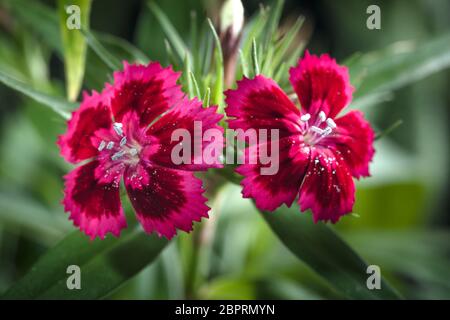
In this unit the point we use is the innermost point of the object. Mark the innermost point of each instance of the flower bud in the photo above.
(231, 24)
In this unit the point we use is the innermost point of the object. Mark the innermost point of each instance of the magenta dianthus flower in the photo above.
(125, 131)
(319, 152)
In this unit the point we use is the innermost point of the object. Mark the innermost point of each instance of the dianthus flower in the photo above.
(319, 152)
(125, 131)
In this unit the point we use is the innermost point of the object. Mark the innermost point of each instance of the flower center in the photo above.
(321, 128)
(125, 150)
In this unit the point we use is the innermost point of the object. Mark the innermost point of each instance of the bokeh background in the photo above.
(402, 213)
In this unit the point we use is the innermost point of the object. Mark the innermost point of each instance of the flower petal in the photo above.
(165, 199)
(194, 120)
(149, 90)
(94, 206)
(354, 142)
(321, 85)
(328, 188)
(93, 114)
(271, 191)
(260, 103)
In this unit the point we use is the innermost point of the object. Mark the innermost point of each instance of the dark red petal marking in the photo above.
(321, 85)
(260, 103)
(328, 188)
(184, 116)
(354, 142)
(165, 199)
(94, 207)
(148, 90)
(93, 114)
(271, 191)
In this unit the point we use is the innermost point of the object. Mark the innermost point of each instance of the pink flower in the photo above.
(125, 131)
(319, 153)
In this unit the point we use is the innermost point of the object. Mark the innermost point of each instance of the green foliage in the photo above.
(74, 46)
(105, 265)
(325, 252)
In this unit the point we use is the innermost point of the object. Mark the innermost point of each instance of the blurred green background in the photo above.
(402, 212)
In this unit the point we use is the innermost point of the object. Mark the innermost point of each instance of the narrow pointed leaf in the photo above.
(74, 45)
(169, 30)
(104, 264)
(399, 65)
(255, 58)
(59, 105)
(217, 94)
(112, 62)
(326, 253)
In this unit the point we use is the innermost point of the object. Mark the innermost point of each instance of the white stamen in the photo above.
(322, 116)
(331, 123)
(327, 131)
(117, 155)
(305, 117)
(123, 141)
(117, 126)
(110, 145)
(317, 130)
(102, 145)
(133, 151)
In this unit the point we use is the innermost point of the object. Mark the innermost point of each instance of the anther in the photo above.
(322, 116)
(102, 145)
(117, 155)
(305, 117)
(123, 141)
(110, 145)
(117, 126)
(317, 130)
(331, 123)
(327, 131)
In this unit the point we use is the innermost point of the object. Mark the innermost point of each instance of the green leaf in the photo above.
(399, 65)
(326, 253)
(244, 64)
(39, 18)
(74, 45)
(105, 265)
(207, 96)
(21, 213)
(125, 50)
(389, 129)
(255, 58)
(59, 105)
(112, 62)
(169, 30)
(274, 19)
(217, 94)
(254, 29)
(187, 80)
(195, 84)
(286, 42)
